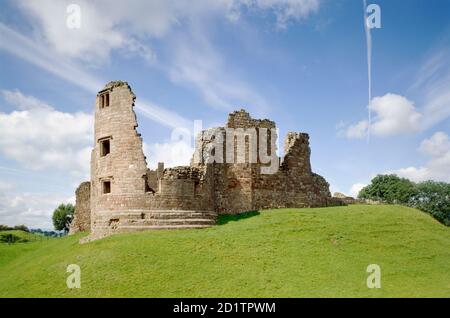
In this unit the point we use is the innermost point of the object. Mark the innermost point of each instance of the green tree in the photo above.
(62, 216)
(389, 189)
(434, 198)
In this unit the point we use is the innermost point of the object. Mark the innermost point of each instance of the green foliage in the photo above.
(21, 228)
(321, 252)
(429, 196)
(434, 198)
(389, 189)
(62, 216)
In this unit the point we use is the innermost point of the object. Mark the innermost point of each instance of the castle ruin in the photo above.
(224, 176)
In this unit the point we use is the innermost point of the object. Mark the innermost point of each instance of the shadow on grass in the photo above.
(224, 219)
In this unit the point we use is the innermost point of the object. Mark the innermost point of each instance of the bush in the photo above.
(389, 189)
(62, 217)
(434, 198)
(429, 196)
(21, 228)
(11, 238)
(5, 227)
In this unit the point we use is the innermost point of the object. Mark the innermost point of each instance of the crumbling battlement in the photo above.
(233, 169)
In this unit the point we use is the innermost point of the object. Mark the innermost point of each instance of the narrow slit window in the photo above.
(102, 101)
(106, 100)
(106, 187)
(105, 146)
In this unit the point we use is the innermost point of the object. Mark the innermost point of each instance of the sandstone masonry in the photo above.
(127, 196)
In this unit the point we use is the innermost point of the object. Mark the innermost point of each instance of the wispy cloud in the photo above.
(437, 148)
(197, 64)
(396, 114)
(36, 54)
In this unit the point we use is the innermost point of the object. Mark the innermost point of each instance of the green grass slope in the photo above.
(20, 236)
(279, 253)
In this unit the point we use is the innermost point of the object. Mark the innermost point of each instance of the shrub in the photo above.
(21, 228)
(11, 238)
(5, 227)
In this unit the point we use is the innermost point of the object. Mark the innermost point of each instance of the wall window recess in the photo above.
(105, 146)
(106, 186)
(104, 100)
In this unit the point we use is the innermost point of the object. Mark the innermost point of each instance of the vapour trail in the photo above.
(369, 66)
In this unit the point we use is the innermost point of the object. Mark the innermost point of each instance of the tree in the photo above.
(434, 198)
(62, 216)
(389, 189)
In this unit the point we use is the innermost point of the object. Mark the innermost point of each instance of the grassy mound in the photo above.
(279, 253)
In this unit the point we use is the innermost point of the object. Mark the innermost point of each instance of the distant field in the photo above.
(278, 253)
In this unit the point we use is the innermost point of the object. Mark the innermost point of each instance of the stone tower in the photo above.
(118, 166)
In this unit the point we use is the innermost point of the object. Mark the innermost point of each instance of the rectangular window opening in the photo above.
(106, 187)
(104, 100)
(105, 147)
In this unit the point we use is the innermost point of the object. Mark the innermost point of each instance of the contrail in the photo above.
(369, 65)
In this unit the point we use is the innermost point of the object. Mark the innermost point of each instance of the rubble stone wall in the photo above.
(82, 218)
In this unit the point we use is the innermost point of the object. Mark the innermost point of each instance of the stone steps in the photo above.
(161, 221)
(137, 220)
(163, 227)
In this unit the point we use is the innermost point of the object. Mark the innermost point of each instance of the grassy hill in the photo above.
(17, 236)
(280, 253)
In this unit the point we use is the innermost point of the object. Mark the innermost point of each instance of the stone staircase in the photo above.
(156, 220)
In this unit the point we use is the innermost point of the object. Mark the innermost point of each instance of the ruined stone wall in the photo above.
(242, 187)
(226, 174)
(82, 217)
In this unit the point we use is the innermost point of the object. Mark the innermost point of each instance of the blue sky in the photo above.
(301, 63)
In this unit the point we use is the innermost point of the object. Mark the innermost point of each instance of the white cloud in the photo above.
(394, 114)
(4, 186)
(172, 153)
(438, 166)
(354, 190)
(436, 146)
(286, 10)
(40, 137)
(358, 130)
(32, 209)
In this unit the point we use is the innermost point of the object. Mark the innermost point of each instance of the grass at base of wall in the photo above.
(321, 252)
